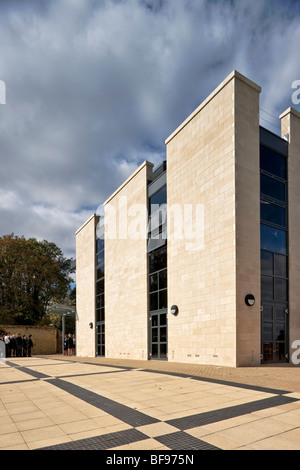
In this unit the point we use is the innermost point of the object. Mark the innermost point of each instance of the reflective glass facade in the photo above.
(274, 252)
(100, 294)
(157, 270)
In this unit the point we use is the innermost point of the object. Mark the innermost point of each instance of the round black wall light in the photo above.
(91, 325)
(250, 300)
(174, 310)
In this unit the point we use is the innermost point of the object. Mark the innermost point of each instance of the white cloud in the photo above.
(94, 87)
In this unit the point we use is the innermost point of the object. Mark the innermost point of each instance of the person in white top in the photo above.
(7, 344)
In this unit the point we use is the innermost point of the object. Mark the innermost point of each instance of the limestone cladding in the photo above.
(85, 288)
(247, 200)
(126, 279)
(203, 156)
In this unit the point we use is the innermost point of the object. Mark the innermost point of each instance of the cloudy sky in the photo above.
(94, 87)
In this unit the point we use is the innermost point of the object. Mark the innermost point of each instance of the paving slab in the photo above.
(74, 403)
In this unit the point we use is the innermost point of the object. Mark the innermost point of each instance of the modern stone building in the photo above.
(198, 260)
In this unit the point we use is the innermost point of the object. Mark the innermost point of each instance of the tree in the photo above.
(32, 273)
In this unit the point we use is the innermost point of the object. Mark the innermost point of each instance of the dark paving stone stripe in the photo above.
(97, 364)
(255, 388)
(93, 373)
(174, 441)
(124, 413)
(18, 381)
(107, 441)
(40, 375)
(28, 371)
(182, 441)
(201, 419)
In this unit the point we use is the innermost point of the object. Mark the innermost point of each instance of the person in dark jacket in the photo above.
(19, 343)
(13, 347)
(24, 346)
(29, 346)
(70, 345)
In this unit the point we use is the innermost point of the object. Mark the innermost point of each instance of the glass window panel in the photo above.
(100, 272)
(163, 334)
(267, 262)
(154, 320)
(272, 162)
(267, 288)
(268, 331)
(156, 220)
(280, 268)
(280, 351)
(154, 301)
(272, 188)
(153, 284)
(155, 351)
(273, 239)
(100, 287)
(158, 199)
(268, 351)
(154, 335)
(163, 319)
(279, 313)
(272, 213)
(158, 260)
(152, 262)
(156, 242)
(99, 244)
(100, 258)
(100, 314)
(163, 299)
(280, 332)
(97, 315)
(163, 351)
(268, 313)
(281, 291)
(163, 279)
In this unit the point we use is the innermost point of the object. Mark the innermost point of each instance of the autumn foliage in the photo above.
(32, 273)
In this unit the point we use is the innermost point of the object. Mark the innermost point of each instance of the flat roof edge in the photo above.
(85, 223)
(231, 76)
(145, 163)
(290, 111)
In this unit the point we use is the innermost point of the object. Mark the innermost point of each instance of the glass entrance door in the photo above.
(100, 339)
(274, 332)
(158, 335)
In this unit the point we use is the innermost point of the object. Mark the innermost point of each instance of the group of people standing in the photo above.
(69, 345)
(17, 345)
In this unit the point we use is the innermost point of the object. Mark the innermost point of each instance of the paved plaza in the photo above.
(71, 403)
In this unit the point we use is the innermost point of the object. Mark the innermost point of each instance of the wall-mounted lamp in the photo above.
(174, 310)
(250, 300)
(91, 325)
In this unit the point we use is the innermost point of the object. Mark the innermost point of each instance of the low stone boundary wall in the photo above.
(46, 339)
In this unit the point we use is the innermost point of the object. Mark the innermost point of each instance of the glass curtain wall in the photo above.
(274, 255)
(157, 270)
(100, 295)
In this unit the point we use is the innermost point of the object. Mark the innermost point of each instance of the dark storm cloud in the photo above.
(95, 87)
